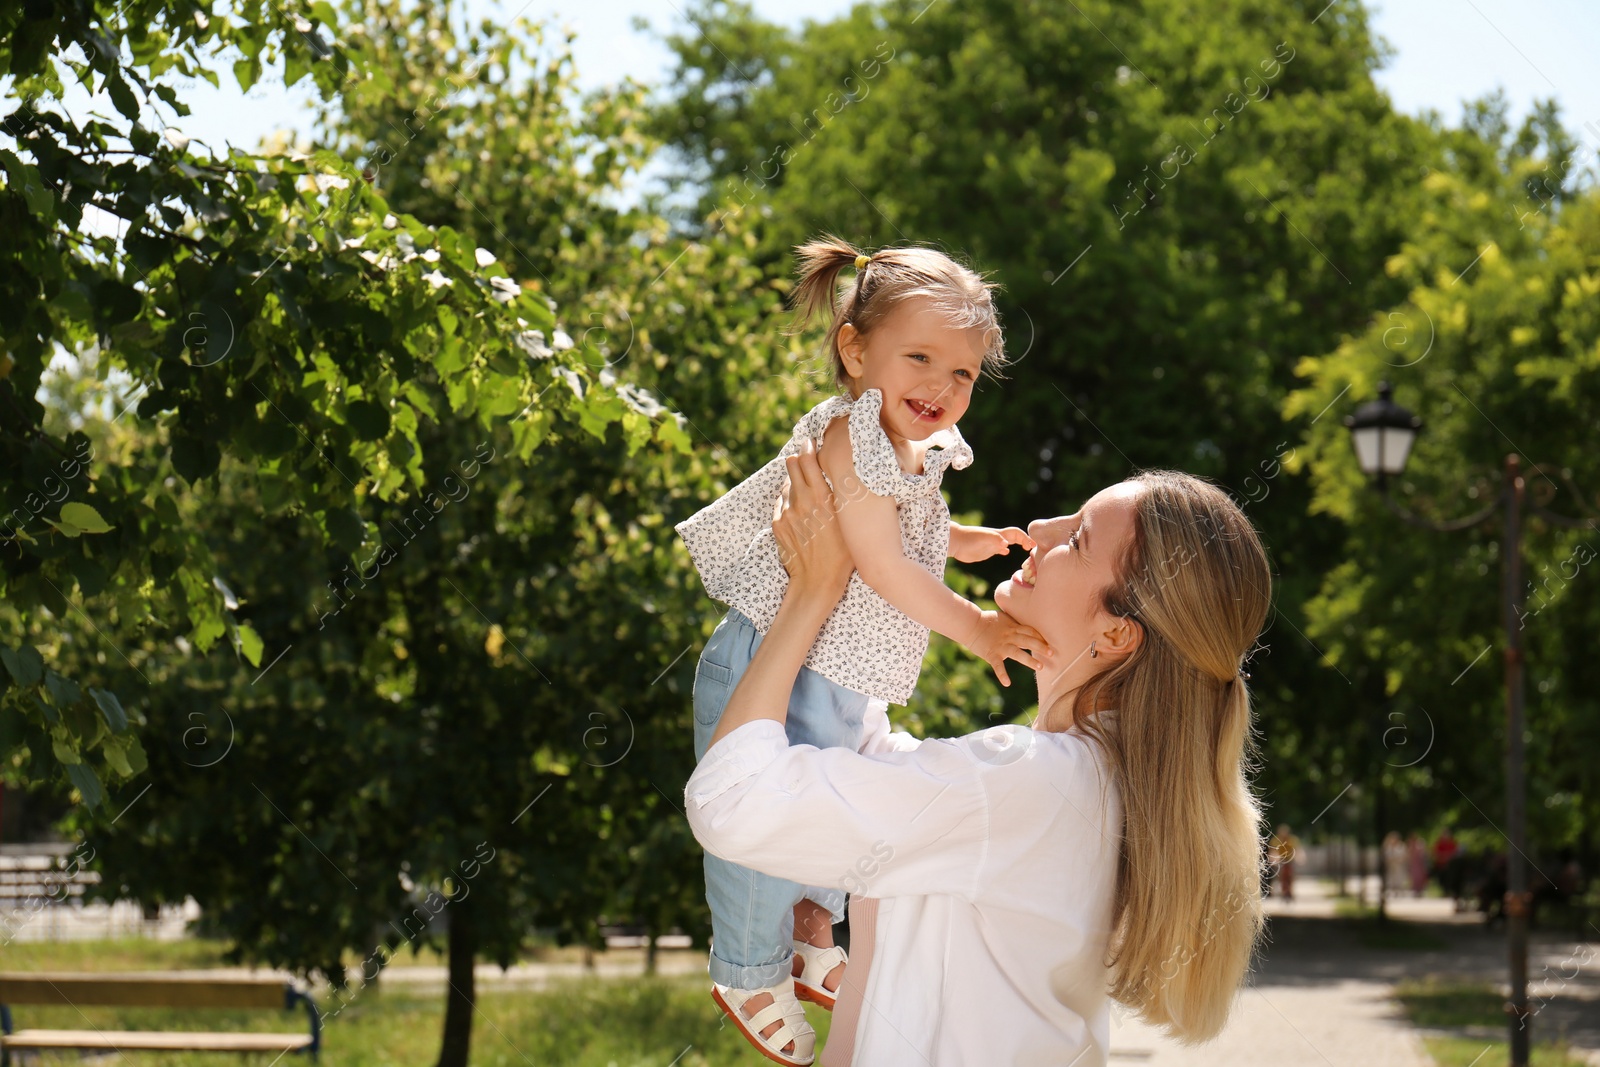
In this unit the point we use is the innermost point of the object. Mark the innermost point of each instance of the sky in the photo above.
(1447, 51)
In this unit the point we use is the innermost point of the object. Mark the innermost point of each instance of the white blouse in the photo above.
(994, 859)
(867, 644)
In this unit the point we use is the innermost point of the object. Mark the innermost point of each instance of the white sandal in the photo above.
(784, 1006)
(818, 963)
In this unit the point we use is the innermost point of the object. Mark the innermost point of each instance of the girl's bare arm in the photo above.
(871, 528)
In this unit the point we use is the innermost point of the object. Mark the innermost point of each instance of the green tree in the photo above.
(505, 674)
(1179, 210)
(1495, 346)
(263, 307)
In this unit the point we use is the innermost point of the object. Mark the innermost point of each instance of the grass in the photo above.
(1439, 1004)
(583, 1022)
(1391, 933)
(147, 954)
(587, 1022)
(1352, 908)
(120, 954)
(1472, 1052)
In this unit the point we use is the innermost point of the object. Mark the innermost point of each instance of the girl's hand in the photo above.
(999, 637)
(810, 543)
(972, 544)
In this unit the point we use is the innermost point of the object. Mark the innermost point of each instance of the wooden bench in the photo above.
(25, 880)
(161, 989)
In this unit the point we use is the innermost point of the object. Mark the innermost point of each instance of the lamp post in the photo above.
(1383, 433)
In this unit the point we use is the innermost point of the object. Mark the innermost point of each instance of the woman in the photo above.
(1395, 871)
(1417, 863)
(1283, 851)
(1015, 878)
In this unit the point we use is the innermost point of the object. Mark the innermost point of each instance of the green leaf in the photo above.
(25, 177)
(117, 757)
(116, 301)
(636, 430)
(62, 690)
(84, 517)
(420, 400)
(247, 72)
(193, 457)
(170, 95)
(166, 510)
(64, 752)
(65, 527)
(51, 715)
(206, 632)
(25, 665)
(87, 784)
(500, 396)
(250, 644)
(368, 419)
(133, 751)
(80, 718)
(92, 577)
(111, 708)
(295, 67)
(345, 528)
(122, 96)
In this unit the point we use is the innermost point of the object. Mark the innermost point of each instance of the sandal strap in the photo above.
(769, 1015)
(818, 962)
(786, 1007)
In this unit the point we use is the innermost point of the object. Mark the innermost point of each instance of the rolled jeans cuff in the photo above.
(757, 976)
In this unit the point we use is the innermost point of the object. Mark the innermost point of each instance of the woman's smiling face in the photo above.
(1058, 589)
(924, 367)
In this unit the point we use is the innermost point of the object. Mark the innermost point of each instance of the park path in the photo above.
(1319, 998)
(1348, 1023)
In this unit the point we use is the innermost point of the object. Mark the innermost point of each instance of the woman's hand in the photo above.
(810, 544)
(812, 550)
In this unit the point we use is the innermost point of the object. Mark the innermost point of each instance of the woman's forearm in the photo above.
(763, 690)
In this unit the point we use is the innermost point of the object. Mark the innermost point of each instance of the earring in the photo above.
(1092, 653)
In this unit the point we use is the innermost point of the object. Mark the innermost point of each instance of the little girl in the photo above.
(908, 339)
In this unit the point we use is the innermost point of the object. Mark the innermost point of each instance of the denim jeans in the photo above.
(752, 914)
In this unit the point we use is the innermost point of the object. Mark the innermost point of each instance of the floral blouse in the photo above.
(867, 645)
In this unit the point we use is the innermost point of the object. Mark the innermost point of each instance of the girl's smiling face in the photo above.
(924, 367)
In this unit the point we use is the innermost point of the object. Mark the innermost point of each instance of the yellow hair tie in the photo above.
(862, 261)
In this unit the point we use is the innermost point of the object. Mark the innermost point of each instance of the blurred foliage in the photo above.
(1185, 209)
(267, 308)
(332, 378)
(1497, 347)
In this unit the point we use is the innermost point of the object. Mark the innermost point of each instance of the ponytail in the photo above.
(1188, 908)
(817, 292)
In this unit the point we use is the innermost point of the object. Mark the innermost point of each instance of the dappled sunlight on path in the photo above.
(1322, 994)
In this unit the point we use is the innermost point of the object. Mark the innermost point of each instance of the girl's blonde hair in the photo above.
(884, 279)
(1188, 904)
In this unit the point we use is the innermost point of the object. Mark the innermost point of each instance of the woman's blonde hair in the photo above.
(883, 279)
(1188, 906)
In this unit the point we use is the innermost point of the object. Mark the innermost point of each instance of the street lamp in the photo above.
(1382, 433)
